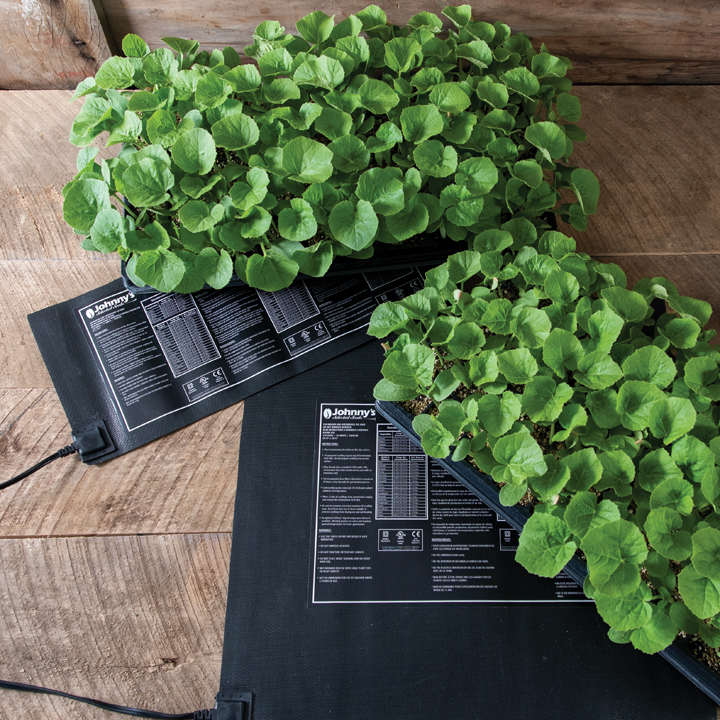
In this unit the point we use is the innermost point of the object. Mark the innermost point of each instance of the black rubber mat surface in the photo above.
(399, 661)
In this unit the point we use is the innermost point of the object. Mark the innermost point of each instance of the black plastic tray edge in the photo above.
(678, 655)
(420, 256)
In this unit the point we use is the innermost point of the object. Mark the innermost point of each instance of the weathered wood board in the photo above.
(134, 621)
(656, 156)
(50, 43)
(37, 161)
(624, 41)
(183, 483)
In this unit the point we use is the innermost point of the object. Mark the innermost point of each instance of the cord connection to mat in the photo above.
(91, 442)
(121, 709)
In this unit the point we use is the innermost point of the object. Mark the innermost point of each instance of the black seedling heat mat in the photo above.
(149, 364)
(365, 585)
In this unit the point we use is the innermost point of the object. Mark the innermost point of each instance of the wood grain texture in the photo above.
(655, 152)
(38, 160)
(50, 43)
(132, 620)
(182, 483)
(696, 276)
(615, 42)
(30, 285)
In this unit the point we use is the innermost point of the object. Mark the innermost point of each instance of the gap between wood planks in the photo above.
(114, 535)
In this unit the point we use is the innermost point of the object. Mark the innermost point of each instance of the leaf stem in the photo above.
(120, 200)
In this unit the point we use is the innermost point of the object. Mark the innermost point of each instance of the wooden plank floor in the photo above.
(113, 578)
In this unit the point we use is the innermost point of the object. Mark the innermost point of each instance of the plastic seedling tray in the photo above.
(430, 250)
(482, 485)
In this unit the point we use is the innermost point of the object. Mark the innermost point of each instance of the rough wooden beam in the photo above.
(50, 43)
(618, 41)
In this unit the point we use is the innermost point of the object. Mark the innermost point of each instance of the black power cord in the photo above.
(91, 442)
(62, 452)
(135, 712)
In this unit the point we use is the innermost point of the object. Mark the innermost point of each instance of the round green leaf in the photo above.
(307, 161)
(160, 67)
(382, 189)
(561, 287)
(585, 469)
(194, 152)
(518, 365)
(271, 272)
(323, 72)
(656, 467)
(547, 136)
(706, 552)
(497, 413)
(618, 472)
(421, 122)
(354, 226)
(671, 418)
(529, 172)
(586, 188)
(634, 403)
(533, 327)
(115, 72)
(598, 371)
(435, 159)
(656, 635)
(411, 220)
(650, 364)
(277, 61)
(197, 216)
(562, 351)
(681, 332)
(701, 374)
(400, 53)
(614, 553)
(449, 98)
(212, 91)
(602, 405)
(147, 181)
(478, 175)
(386, 319)
(235, 132)
(545, 545)
(568, 107)
(467, 340)
(297, 222)
(349, 154)
(583, 513)
(700, 594)
(378, 97)
(161, 269)
(675, 493)
(214, 267)
(83, 201)
(522, 81)
(315, 27)
(662, 527)
(463, 265)
(134, 46)
(520, 455)
(108, 231)
(410, 367)
(629, 305)
(624, 613)
(543, 400)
